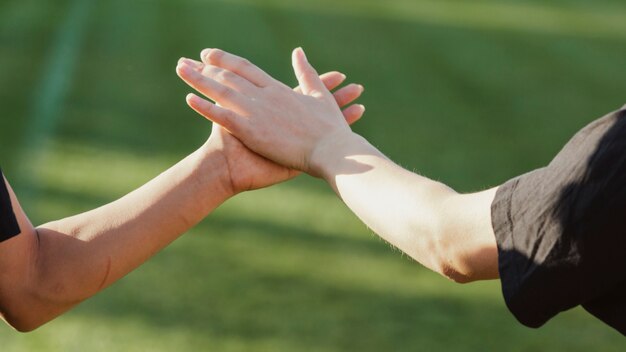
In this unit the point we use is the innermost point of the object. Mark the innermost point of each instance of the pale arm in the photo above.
(446, 231)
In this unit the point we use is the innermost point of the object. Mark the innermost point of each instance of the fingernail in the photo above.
(184, 67)
(205, 52)
(343, 76)
(361, 88)
(303, 54)
(182, 62)
(188, 62)
(191, 97)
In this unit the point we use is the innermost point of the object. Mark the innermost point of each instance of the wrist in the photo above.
(212, 170)
(334, 151)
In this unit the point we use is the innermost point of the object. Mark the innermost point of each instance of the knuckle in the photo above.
(242, 65)
(276, 90)
(228, 115)
(309, 70)
(215, 55)
(316, 92)
(221, 76)
(228, 76)
(210, 70)
(225, 92)
(270, 90)
(230, 119)
(209, 109)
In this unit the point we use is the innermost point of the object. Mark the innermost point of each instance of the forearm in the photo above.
(80, 255)
(425, 219)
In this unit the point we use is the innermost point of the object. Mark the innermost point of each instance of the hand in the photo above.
(266, 115)
(248, 170)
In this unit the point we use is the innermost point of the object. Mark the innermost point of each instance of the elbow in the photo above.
(24, 327)
(454, 273)
(29, 306)
(443, 254)
(21, 320)
(453, 262)
(22, 310)
(464, 265)
(463, 247)
(27, 312)
(446, 259)
(31, 293)
(464, 261)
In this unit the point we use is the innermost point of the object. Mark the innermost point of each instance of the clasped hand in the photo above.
(273, 121)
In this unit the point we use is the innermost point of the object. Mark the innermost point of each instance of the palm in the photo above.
(247, 169)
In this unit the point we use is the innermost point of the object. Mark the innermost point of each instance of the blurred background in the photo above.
(471, 93)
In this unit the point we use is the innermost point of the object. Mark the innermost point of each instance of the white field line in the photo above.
(50, 94)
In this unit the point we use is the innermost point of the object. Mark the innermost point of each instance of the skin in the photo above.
(47, 270)
(448, 232)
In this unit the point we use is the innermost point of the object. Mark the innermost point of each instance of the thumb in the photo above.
(308, 78)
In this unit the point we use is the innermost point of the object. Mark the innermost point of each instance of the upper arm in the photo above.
(17, 263)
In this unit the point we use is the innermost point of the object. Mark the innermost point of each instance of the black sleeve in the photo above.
(8, 223)
(561, 230)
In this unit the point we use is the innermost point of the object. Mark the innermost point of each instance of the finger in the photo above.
(213, 90)
(331, 80)
(220, 75)
(348, 94)
(238, 65)
(229, 79)
(353, 113)
(196, 65)
(224, 117)
(307, 77)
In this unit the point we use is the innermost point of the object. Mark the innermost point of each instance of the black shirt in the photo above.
(8, 223)
(561, 230)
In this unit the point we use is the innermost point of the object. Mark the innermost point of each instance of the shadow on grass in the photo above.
(251, 281)
(210, 289)
(265, 281)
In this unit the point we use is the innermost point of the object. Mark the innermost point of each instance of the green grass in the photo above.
(470, 93)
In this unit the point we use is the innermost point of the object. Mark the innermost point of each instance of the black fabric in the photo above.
(561, 230)
(8, 223)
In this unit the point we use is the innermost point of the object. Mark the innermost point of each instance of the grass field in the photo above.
(470, 93)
